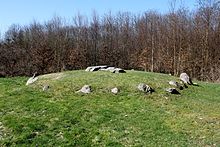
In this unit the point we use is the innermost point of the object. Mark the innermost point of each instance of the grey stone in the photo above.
(111, 69)
(145, 88)
(95, 68)
(85, 89)
(176, 84)
(186, 79)
(88, 68)
(92, 68)
(118, 70)
(105, 68)
(32, 79)
(115, 90)
(46, 87)
(172, 91)
(173, 83)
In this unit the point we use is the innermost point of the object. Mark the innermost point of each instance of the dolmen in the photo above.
(105, 68)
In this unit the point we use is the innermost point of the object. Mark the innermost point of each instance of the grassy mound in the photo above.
(30, 116)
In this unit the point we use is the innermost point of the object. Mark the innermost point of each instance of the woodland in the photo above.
(180, 40)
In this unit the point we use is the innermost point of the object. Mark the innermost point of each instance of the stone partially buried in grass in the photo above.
(115, 90)
(172, 91)
(176, 84)
(46, 87)
(85, 89)
(145, 88)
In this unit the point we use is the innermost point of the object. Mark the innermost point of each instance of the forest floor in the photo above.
(30, 116)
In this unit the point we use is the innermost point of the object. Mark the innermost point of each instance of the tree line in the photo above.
(175, 42)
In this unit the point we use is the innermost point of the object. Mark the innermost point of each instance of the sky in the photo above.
(23, 12)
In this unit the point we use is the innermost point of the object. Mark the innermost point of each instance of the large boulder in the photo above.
(145, 88)
(186, 79)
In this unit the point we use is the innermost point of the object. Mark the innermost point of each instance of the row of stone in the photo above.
(147, 89)
(87, 89)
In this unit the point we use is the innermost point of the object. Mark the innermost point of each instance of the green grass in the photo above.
(30, 116)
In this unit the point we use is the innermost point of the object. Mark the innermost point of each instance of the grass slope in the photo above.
(61, 117)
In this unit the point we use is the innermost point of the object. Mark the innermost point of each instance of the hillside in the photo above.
(30, 116)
